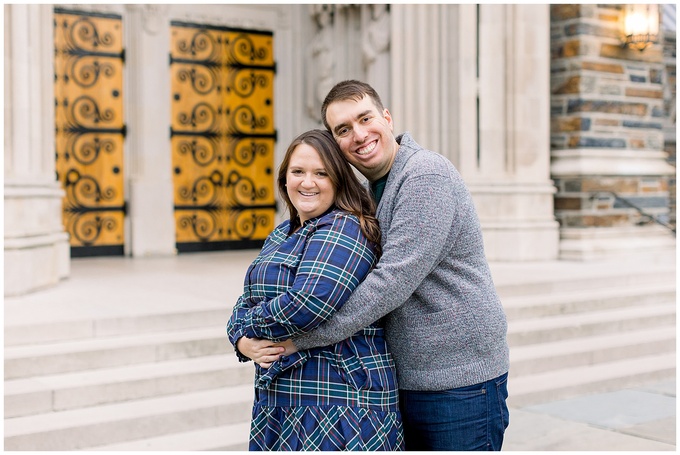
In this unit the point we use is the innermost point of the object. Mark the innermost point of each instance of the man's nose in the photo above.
(360, 133)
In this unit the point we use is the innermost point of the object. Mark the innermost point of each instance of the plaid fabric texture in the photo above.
(325, 428)
(342, 396)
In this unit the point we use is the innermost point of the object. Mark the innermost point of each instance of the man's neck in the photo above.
(384, 172)
(372, 180)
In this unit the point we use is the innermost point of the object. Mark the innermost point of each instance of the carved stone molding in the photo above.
(153, 18)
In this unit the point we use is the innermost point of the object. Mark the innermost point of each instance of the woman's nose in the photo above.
(307, 181)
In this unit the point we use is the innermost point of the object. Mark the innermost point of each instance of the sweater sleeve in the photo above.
(420, 226)
(335, 260)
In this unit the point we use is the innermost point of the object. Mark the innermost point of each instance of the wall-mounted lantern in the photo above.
(640, 26)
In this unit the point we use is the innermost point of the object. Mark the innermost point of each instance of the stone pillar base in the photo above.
(37, 250)
(517, 221)
(586, 244)
(504, 242)
(32, 263)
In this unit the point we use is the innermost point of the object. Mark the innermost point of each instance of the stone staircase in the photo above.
(170, 381)
(587, 335)
(161, 382)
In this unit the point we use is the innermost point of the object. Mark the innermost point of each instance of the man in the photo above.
(444, 322)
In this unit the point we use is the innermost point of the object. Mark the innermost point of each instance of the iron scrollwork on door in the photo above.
(88, 81)
(222, 136)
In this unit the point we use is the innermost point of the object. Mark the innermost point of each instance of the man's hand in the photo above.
(263, 352)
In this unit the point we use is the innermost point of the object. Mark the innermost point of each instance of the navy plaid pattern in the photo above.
(326, 429)
(345, 395)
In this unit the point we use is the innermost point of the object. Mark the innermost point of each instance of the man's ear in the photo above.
(387, 116)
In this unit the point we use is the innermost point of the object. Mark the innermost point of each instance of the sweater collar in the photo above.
(407, 147)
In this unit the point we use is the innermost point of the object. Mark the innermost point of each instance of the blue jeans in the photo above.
(466, 418)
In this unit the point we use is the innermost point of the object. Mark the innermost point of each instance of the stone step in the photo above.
(570, 382)
(598, 279)
(562, 327)
(61, 392)
(74, 329)
(135, 420)
(154, 382)
(226, 438)
(544, 357)
(577, 301)
(70, 356)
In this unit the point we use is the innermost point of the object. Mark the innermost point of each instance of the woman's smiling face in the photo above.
(307, 183)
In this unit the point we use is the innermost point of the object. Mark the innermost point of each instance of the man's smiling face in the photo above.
(364, 135)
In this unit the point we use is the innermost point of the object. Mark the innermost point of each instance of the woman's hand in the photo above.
(262, 352)
(289, 347)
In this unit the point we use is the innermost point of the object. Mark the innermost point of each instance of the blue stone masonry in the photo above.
(650, 202)
(594, 142)
(632, 124)
(604, 96)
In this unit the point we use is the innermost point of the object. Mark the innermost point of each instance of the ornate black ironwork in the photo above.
(201, 114)
(201, 55)
(85, 48)
(202, 149)
(244, 121)
(203, 80)
(245, 223)
(245, 150)
(86, 151)
(204, 225)
(223, 139)
(86, 57)
(85, 217)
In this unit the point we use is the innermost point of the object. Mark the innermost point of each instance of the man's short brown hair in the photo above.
(349, 90)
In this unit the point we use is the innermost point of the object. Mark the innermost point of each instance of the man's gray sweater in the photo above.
(445, 324)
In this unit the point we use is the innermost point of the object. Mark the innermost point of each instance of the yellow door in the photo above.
(90, 131)
(223, 136)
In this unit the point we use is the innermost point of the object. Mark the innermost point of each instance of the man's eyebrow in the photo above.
(338, 127)
(365, 113)
(360, 115)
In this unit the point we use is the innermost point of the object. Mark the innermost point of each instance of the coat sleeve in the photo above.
(238, 313)
(421, 224)
(335, 260)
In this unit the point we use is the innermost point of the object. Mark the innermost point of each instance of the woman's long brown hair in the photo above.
(350, 195)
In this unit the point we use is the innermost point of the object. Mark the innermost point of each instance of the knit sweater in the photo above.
(444, 322)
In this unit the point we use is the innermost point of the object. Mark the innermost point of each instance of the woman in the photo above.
(340, 397)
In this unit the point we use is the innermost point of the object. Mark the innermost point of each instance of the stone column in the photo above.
(375, 47)
(152, 222)
(321, 67)
(607, 111)
(472, 82)
(36, 245)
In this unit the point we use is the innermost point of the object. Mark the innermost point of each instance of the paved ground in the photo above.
(637, 419)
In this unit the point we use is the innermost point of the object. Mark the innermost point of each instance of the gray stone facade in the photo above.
(607, 134)
(536, 105)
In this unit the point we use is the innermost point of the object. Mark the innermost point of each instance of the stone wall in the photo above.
(603, 95)
(670, 100)
(607, 117)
